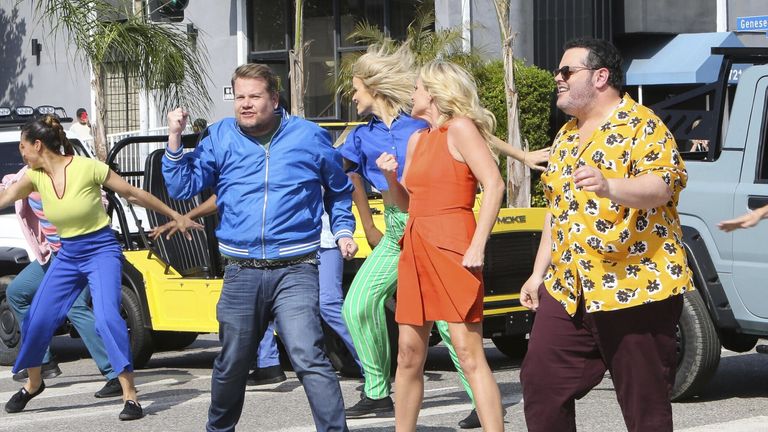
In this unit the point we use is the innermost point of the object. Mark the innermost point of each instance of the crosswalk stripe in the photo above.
(751, 424)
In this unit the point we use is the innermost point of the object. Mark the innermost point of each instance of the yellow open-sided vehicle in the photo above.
(171, 287)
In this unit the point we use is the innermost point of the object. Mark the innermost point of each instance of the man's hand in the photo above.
(348, 247)
(535, 159)
(177, 121)
(387, 163)
(529, 293)
(183, 225)
(591, 179)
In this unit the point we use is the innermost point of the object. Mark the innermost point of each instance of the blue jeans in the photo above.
(330, 268)
(20, 293)
(250, 298)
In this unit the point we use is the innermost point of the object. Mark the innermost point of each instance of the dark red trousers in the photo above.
(567, 356)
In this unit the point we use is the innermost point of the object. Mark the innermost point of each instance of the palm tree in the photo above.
(424, 41)
(165, 61)
(518, 175)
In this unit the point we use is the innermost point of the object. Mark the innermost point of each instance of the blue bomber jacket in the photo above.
(270, 200)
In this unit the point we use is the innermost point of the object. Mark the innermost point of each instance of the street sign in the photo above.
(228, 93)
(752, 23)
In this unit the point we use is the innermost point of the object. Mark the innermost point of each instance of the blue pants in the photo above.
(93, 259)
(250, 298)
(20, 293)
(331, 265)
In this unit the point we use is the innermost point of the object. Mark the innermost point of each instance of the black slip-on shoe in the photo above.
(111, 389)
(267, 375)
(472, 421)
(20, 399)
(47, 370)
(368, 406)
(131, 411)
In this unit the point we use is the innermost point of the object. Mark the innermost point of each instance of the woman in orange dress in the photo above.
(440, 268)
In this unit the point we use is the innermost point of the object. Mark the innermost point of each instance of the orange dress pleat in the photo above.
(432, 284)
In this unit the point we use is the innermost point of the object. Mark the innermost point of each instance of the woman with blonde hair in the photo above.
(382, 82)
(440, 267)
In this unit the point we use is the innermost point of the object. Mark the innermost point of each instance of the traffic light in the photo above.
(167, 10)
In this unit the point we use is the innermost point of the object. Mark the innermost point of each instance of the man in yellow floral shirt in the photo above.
(611, 265)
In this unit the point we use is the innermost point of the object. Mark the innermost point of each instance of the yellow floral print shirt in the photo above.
(615, 256)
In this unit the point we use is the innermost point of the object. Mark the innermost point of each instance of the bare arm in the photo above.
(205, 209)
(747, 220)
(529, 292)
(532, 160)
(466, 139)
(359, 197)
(177, 122)
(145, 199)
(15, 191)
(387, 163)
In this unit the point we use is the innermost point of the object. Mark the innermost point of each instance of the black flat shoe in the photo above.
(131, 411)
(20, 399)
(472, 421)
(111, 389)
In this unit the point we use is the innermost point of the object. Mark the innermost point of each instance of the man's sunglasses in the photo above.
(567, 71)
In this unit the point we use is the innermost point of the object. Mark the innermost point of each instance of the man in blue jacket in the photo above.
(273, 174)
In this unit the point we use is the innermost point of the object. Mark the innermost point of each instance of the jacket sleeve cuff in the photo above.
(174, 155)
(343, 233)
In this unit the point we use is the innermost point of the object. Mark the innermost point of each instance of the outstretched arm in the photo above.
(205, 209)
(533, 159)
(15, 191)
(747, 220)
(145, 199)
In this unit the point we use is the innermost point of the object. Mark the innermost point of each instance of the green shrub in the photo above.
(535, 87)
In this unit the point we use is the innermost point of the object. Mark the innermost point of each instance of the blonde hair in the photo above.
(454, 93)
(388, 76)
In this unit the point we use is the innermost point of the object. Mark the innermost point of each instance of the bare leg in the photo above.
(126, 382)
(409, 379)
(34, 381)
(468, 341)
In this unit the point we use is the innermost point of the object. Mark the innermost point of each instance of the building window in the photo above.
(121, 99)
(327, 24)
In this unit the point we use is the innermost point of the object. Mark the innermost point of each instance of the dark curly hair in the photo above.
(49, 131)
(602, 54)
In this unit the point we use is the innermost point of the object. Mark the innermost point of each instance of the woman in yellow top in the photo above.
(70, 188)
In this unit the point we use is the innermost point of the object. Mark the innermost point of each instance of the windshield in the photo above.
(10, 163)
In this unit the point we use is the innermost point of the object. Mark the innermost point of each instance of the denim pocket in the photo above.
(231, 271)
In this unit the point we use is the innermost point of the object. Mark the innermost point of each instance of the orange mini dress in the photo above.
(432, 285)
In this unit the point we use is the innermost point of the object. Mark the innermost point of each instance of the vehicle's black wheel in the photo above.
(172, 340)
(512, 346)
(10, 332)
(737, 342)
(698, 348)
(337, 352)
(141, 337)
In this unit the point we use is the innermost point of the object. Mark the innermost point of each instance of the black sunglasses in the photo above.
(567, 71)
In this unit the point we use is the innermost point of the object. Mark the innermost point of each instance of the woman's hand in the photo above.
(474, 258)
(535, 159)
(159, 230)
(388, 165)
(744, 221)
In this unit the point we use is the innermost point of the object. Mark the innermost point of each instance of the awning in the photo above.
(686, 59)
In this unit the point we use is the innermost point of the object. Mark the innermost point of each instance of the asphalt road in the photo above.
(174, 391)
